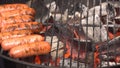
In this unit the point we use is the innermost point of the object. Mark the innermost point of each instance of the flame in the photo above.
(76, 34)
(111, 36)
(67, 54)
(96, 58)
(37, 60)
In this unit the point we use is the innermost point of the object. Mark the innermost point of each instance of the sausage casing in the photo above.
(7, 44)
(14, 34)
(11, 13)
(34, 26)
(26, 50)
(16, 19)
(7, 7)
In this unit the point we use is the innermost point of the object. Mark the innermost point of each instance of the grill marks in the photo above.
(22, 26)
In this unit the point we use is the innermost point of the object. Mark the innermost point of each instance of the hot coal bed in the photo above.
(82, 34)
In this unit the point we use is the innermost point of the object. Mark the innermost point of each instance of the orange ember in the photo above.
(67, 54)
(76, 34)
(111, 36)
(37, 60)
(96, 58)
(117, 59)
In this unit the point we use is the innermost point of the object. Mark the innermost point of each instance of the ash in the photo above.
(111, 64)
(73, 64)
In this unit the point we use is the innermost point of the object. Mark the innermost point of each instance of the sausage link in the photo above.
(7, 7)
(34, 26)
(14, 34)
(16, 19)
(7, 44)
(26, 50)
(11, 13)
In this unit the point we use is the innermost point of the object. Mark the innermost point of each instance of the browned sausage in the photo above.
(26, 50)
(14, 34)
(7, 44)
(11, 13)
(7, 7)
(16, 19)
(34, 26)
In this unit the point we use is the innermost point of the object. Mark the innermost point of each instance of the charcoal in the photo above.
(104, 64)
(92, 28)
(109, 50)
(55, 45)
(74, 63)
(102, 10)
(110, 44)
(96, 31)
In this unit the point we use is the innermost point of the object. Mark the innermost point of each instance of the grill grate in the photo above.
(81, 28)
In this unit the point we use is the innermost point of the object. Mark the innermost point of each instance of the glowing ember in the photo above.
(37, 60)
(96, 58)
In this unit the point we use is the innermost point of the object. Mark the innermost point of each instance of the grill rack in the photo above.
(35, 65)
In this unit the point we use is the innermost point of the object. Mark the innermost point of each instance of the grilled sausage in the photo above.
(14, 34)
(8, 7)
(16, 19)
(11, 13)
(34, 26)
(26, 50)
(12, 42)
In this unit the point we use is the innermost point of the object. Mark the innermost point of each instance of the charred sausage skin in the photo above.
(7, 44)
(25, 50)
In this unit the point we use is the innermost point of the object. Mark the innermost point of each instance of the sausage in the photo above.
(11, 13)
(26, 50)
(34, 26)
(14, 34)
(16, 19)
(7, 44)
(7, 7)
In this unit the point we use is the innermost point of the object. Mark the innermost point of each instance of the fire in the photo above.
(67, 54)
(37, 60)
(96, 58)
(111, 36)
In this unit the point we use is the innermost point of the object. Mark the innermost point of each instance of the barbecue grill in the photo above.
(82, 33)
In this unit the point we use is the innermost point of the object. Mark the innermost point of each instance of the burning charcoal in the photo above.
(112, 44)
(100, 33)
(103, 9)
(109, 50)
(54, 48)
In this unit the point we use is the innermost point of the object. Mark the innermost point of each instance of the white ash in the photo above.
(54, 46)
(103, 9)
(100, 34)
(105, 64)
(73, 65)
(52, 6)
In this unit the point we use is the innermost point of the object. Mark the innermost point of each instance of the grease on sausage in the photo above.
(16, 19)
(34, 26)
(11, 13)
(14, 34)
(7, 44)
(26, 50)
(7, 7)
